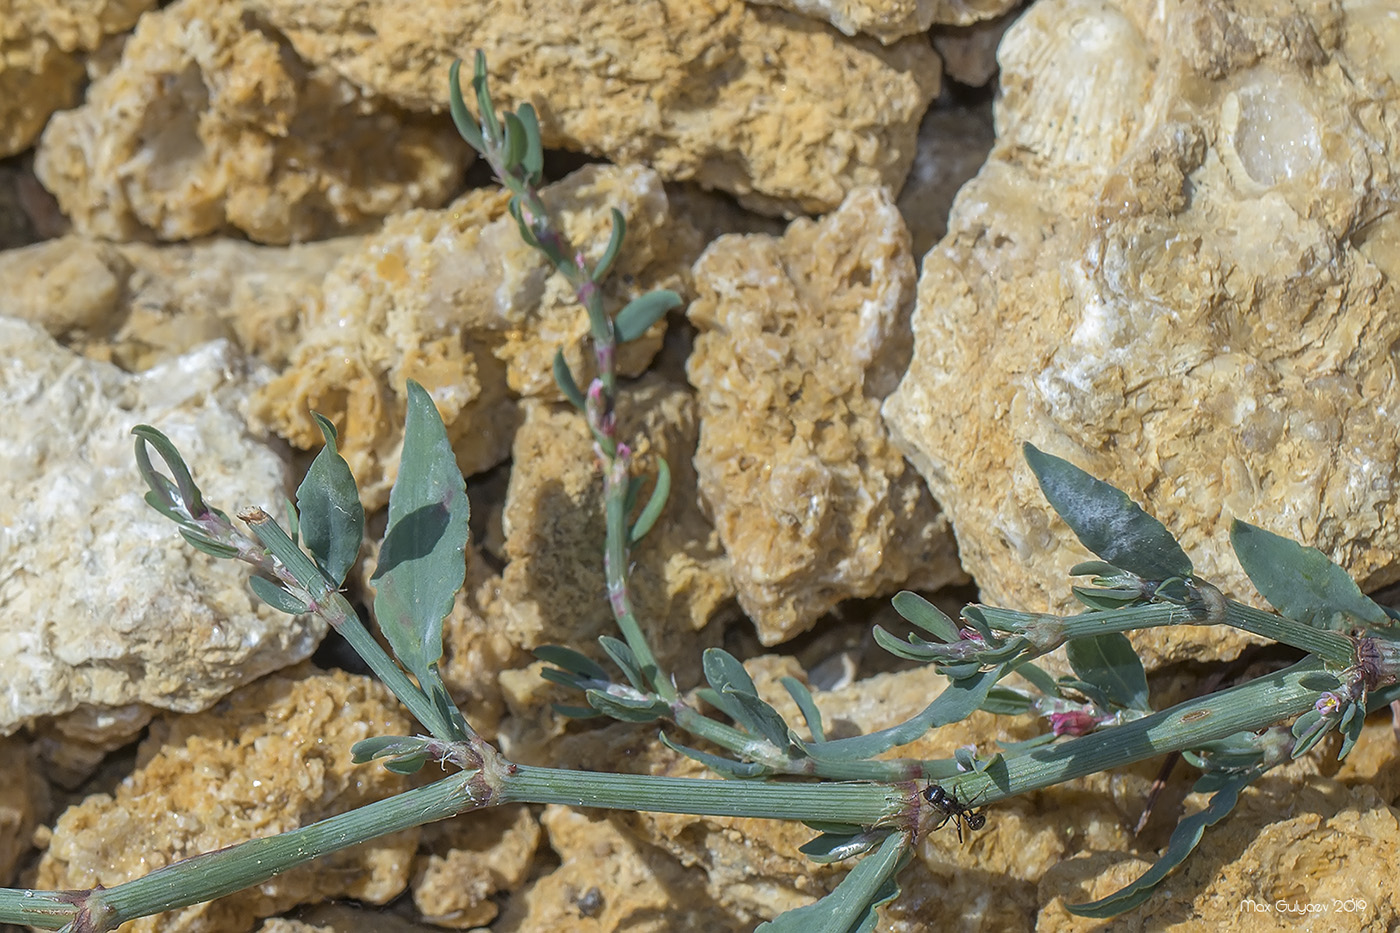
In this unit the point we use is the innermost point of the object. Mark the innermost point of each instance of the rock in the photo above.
(209, 123)
(273, 757)
(28, 213)
(891, 20)
(954, 140)
(23, 806)
(1177, 270)
(41, 69)
(454, 299)
(800, 339)
(608, 882)
(754, 101)
(969, 52)
(137, 304)
(471, 861)
(553, 590)
(103, 605)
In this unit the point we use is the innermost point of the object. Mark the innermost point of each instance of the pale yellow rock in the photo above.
(1177, 271)
(41, 69)
(891, 20)
(470, 861)
(754, 101)
(210, 123)
(137, 304)
(272, 757)
(454, 299)
(800, 339)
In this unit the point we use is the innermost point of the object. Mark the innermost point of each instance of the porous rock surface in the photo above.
(469, 862)
(891, 20)
(1177, 270)
(209, 123)
(755, 101)
(270, 758)
(137, 304)
(23, 805)
(455, 300)
(102, 605)
(41, 69)
(801, 337)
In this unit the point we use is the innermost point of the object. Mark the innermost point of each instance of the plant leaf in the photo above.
(1110, 663)
(659, 494)
(850, 908)
(466, 124)
(423, 561)
(1301, 582)
(605, 264)
(331, 519)
(925, 615)
(725, 766)
(1184, 840)
(627, 709)
(1106, 521)
(276, 597)
(642, 312)
(565, 380)
(803, 698)
(533, 160)
(572, 661)
(623, 657)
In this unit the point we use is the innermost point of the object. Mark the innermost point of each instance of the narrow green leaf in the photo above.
(490, 125)
(332, 520)
(725, 674)
(1106, 521)
(851, 907)
(958, 701)
(1037, 678)
(190, 498)
(723, 766)
(208, 545)
(1109, 662)
(382, 746)
(915, 649)
(659, 494)
(1003, 701)
(565, 380)
(1352, 723)
(919, 611)
(1183, 842)
(408, 764)
(528, 235)
(605, 264)
(466, 124)
(627, 709)
(761, 719)
(422, 564)
(570, 660)
(643, 311)
(533, 160)
(1020, 748)
(276, 597)
(837, 847)
(515, 142)
(1301, 582)
(623, 657)
(803, 698)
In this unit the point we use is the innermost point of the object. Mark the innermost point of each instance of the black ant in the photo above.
(952, 809)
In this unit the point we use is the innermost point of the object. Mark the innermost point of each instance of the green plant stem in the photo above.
(1255, 705)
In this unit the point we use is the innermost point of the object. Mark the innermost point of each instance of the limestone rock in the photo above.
(800, 339)
(969, 53)
(891, 20)
(102, 604)
(40, 66)
(754, 101)
(210, 123)
(137, 304)
(471, 861)
(23, 805)
(553, 590)
(273, 757)
(1177, 270)
(454, 299)
(954, 140)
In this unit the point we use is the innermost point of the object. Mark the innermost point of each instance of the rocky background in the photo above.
(1172, 259)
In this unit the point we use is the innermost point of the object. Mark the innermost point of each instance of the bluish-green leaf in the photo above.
(725, 673)
(1037, 678)
(659, 494)
(276, 597)
(723, 766)
(208, 545)
(832, 847)
(189, 497)
(1110, 662)
(623, 657)
(761, 719)
(958, 701)
(516, 142)
(851, 907)
(642, 312)
(1183, 842)
(628, 709)
(423, 561)
(605, 264)
(533, 160)
(1301, 582)
(1003, 701)
(570, 660)
(486, 108)
(1106, 521)
(803, 698)
(331, 519)
(466, 124)
(564, 378)
(915, 649)
(925, 615)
